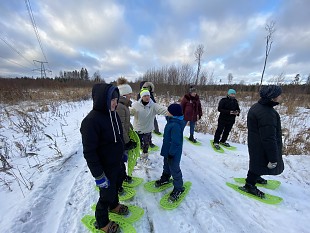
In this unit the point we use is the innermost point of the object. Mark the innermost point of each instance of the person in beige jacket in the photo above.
(144, 112)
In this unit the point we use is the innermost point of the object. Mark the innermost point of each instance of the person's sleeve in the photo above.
(161, 110)
(268, 136)
(90, 141)
(221, 108)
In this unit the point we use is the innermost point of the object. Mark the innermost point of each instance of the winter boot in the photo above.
(225, 144)
(111, 227)
(175, 194)
(120, 209)
(192, 139)
(252, 189)
(128, 179)
(216, 146)
(261, 180)
(164, 179)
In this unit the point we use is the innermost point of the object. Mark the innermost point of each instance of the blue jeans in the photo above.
(191, 127)
(172, 168)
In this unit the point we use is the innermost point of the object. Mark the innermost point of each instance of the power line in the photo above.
(15, 62)
(28, 6)
(14, 49)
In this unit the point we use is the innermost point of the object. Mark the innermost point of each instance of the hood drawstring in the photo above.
(119, 132)
(112, 126)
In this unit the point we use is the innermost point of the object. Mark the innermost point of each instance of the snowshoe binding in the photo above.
(261, 180)
(192, 139)
(111, 227)
(226, 144)
(252, 189)
(175, 194)
(216, 146)
(163, 180)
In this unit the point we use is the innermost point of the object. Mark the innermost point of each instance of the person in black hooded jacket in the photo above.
(264, 139)
(103, 148)
(229, 109)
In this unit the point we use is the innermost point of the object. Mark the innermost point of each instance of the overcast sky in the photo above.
(128, 37)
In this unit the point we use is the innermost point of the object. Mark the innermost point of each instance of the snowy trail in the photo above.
(39, 214)
(65, 193)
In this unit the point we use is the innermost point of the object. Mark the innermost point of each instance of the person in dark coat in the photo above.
(264, 139)
(192, 110)
(103, 148)
(172, 150)
(229, 109)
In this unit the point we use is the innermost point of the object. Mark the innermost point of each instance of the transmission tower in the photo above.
(42, 69)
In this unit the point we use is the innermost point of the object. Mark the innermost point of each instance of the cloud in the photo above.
(128, 38)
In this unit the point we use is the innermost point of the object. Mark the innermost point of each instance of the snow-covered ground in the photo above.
(63, 188)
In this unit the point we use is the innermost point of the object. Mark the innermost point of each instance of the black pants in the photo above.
(122, 175)
(252, 178)
(145, 140)
(108, 197)
(156, 128)
(224, 128)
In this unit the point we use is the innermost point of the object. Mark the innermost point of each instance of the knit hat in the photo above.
(144, 92)
(175, 110)
(231, 91)
(270, 92)
(124, 89)
(192, 89)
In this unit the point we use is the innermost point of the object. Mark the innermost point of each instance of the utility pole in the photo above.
(42, 69)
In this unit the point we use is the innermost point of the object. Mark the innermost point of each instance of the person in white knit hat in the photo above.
(144, 111)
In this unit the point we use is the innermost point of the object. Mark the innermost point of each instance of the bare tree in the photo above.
(97, 77)
(198, 55)
(308, 80)
(210, 79)
(296, 79)
(186, 73)
(230, 78)
(280, 79)
(270, 28)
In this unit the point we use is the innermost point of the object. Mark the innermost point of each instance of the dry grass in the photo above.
(40, 95)
(295, 142)
(294, 119)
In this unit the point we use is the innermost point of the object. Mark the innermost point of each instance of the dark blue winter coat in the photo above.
(264, 138)
(173, 137)
(226, 105)
(102, 135)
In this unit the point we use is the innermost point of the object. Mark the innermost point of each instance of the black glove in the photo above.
(130, 145)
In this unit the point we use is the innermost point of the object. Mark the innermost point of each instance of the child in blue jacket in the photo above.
(172, 150)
